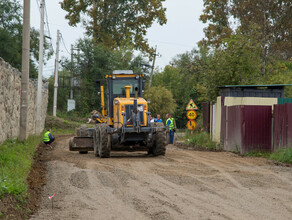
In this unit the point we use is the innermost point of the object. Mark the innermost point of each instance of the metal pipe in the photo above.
(128, 91)
(103, 111)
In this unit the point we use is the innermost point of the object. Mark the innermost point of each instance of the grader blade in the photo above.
(81, 144)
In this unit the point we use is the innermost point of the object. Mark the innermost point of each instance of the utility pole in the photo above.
(56, 75)
(24, 69)
(153, 65)
(71, 91)
(40, 73)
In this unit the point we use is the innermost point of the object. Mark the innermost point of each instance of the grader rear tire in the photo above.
(104, 142)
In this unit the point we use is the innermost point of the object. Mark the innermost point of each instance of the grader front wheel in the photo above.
(104, 145)
(159, 144)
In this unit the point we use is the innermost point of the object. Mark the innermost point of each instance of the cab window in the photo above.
(119, 86)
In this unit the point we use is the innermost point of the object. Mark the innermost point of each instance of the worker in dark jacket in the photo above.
(48, 138)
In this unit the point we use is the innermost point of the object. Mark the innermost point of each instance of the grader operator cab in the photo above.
(125, 123)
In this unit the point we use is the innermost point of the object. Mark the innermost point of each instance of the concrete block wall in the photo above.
(10, 92)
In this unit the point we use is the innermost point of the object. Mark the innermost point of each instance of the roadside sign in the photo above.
(191, 115)
(191, 125)
(70, 105)
(191, 105)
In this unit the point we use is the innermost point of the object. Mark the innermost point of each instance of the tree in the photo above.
(11, 37)
(116, 22)
(271, 17)
(161, 101)
(95, 61)
(216, 13)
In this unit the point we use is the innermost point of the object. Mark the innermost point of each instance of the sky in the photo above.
(181, 33)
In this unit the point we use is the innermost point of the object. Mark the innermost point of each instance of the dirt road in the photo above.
(182, 185)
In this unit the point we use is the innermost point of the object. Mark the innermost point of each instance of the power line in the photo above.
(65, 45)
(171, 43)
(47, 21)
(37, 1)
(48, 27)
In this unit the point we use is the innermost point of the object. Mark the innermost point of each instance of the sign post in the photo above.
(191, 115)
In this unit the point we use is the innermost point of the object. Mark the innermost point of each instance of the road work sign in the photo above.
(191, 105)
(191, 115)
(191, 125)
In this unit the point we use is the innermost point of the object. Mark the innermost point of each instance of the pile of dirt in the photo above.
(55, 122)
(11, 207)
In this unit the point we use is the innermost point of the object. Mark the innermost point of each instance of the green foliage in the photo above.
(283, 155)
(180, 81)
(63, 92)
(237, 63)
(94, 62)
(11, 37)
(200, 139)
(258, 154)
(116, 23)
(273, 19)
(15, 163)
(161, 101)
(60, 124)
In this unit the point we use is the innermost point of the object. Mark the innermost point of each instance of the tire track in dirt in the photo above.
(182, 185)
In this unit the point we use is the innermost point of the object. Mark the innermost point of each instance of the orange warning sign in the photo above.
(191, 114)
(191, 105)
(191, 125)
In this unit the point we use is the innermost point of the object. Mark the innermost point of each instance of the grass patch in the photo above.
(259, 154)
(200, 139)
(282, 155)
(15, 163)
(61, 126)
(59, 131)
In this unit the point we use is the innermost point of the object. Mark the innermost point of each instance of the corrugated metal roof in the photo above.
(120, 72)
(284, 100)
(252, 86)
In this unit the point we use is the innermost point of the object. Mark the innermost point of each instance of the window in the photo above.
(119, 86)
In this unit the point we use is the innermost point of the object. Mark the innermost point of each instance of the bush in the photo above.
(283, 155)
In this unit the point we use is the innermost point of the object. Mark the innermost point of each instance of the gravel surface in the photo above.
(183, 184)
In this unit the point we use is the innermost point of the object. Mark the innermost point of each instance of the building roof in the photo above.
(255, 86)
(120, 72)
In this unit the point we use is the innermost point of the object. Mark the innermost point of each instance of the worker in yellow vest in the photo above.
(48, 138)
(170, 122)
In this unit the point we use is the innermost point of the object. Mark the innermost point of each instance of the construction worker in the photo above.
(158, 119)
(48, 138)
(171, 124)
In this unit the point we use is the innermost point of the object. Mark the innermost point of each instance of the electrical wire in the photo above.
(47, 21)
(48, 26)
(37, 1)
(64, 44)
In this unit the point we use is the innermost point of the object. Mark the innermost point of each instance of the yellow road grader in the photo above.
(125, 123)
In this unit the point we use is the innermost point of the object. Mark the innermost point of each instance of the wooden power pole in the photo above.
(24, 69)
(153, 65)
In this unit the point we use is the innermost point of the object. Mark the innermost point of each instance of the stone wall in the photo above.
(10, 92)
